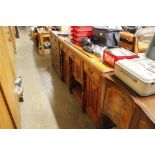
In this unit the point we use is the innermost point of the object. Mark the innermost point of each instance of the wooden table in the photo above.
(42, 35)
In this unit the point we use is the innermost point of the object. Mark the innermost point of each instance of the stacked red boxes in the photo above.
(79, 32)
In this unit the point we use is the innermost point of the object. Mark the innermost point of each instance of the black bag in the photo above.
(106, 37)
(131, 29)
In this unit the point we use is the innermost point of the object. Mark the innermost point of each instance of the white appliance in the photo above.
(139, 73)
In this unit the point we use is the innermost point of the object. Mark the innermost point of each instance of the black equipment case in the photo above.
(106, 37)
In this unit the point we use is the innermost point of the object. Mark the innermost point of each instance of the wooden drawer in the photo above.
(92, 73)
(54, 40)
(77, 66)
(46, 35)
(63, 47)
(74, 57)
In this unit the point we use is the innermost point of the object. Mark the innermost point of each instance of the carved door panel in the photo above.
(92, 95)
(118, 106)
(144, 122)
(65, 67)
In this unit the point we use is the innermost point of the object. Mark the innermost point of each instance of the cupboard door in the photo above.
(118, 106)
(7, 79)
(55, 54)
(5, 119)
(56, 65)
(144, 122)
(92, 73)
(5, 31)
(92, 95)
(65, 68)
(12, 35)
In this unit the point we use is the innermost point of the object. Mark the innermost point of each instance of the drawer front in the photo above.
(78, 72)
(63, 47)
(92, 73)
(46, 35)
(74, 57)
(77, 66)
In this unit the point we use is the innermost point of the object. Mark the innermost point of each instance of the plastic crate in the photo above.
(82, 28)
(81, 33)
(77, 38)
(75, 42)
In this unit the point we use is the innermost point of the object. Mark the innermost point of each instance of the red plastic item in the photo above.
(82, 28)
(81, 33)
(77, 38)
(75, 42)
(110, 58)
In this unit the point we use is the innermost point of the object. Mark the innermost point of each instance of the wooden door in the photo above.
(92, 95)
(65, 67)
(12, 37)
(143, 122)
(7, 79)
(5, 119)
(9, 47)
(118, 106)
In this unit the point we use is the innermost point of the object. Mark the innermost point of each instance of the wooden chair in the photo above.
(130, 42)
